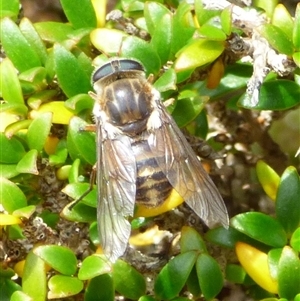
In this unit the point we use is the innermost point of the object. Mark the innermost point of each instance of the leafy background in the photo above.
(48, 56)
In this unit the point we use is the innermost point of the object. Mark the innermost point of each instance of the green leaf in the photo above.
(295, 240)
(49, 218)
(128, 281)
(13, 128)
(183, 27)
(200, 52)
(81, 144)
(267, 5)
(146, 298)
(71, 77)
(296, 28)
(9, 9)
(277, 38)
(80, 13)
(79, 102)
(209, 275)
(28, 164)
(162, 37)
(40, 97)
(212, 32)
(25, 211)
(10, 85)
(60, 258)
(153, 13)
(296, 58)
(53, 32)
(226, 237)
(108, 40)
(63, 286)
(33, 80)
(11, 196)
(192, 283)
(93, 266)
(100, 288)
(80, 213)
(174, 275)
(76, 190)
(132, 5)
(287, 200)
(261, 227)
(12, 150)
(191, 108)
(34, 39)
(273, 260)
(235, 273)
(226, 20)
(34, 278)
(191, 241)
(282, 19)
(8, 171)
(166, 82)
(39, 130)
(274, 95)
(16, 47)
(74, 172)
(268, 178)
(59, 157)
(20, 296)
(93, 233)
(288, 274)
(139, 49)
(204, 15)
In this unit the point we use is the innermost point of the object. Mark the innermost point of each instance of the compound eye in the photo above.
(130, 65)
(116, 66)
(103, 71)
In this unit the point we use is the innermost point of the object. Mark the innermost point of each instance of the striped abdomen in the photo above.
(152, 186)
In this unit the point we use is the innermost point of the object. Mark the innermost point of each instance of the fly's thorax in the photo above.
(127, 104)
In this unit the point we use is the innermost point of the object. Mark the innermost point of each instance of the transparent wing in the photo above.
(116, 193)
(185, 172)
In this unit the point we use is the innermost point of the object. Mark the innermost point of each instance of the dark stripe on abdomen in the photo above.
(152, 185)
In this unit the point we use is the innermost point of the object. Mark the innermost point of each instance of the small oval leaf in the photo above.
(128, 281)
(174, 275)
(191, 241)
(100, 288)
(288, 274)
(12, 150)
(209, 276)
(287, 200)
(81, 144)
(59, 258)
(28, 164)
(11, 196)
(34, 269)
(39, 130)
(10, 85)
(93, 266)
(79, 13)
(16, 47)
(72, 78)
(63, 286)
(260, 227)
(268, 178)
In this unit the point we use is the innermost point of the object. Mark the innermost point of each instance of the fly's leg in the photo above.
(92, 182)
